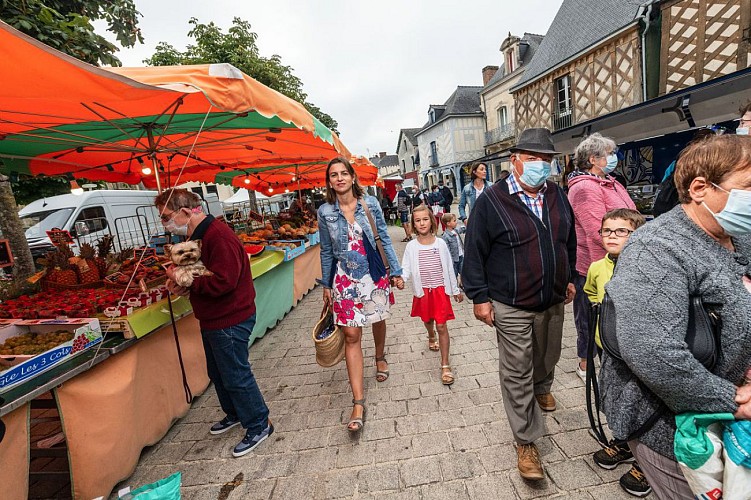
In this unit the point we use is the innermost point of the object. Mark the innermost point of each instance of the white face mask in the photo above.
(172, 228)
(742, 131)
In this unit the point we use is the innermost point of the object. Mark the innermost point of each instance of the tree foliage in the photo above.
(66, 25)
(238, 47)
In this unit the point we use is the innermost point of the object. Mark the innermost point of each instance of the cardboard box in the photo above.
(86, 333)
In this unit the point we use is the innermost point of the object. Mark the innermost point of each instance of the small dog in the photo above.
(186, 258)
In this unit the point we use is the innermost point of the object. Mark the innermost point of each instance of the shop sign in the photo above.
(6, 256)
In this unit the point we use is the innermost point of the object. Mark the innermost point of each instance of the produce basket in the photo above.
(154, 283)
(49, 286)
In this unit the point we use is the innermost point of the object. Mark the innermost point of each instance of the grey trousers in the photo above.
(529, 346)
(664, 475)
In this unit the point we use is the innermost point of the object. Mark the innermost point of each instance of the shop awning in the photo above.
(703, 104)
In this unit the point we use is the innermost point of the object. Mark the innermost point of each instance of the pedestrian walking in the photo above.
(470, 192)
(403, 203)
(224, 303)
(448, 196)
(519, 262)
(427, 262)
(453, 239)
(701, 248)
(356, 283)
(615, 229)
(592, 192)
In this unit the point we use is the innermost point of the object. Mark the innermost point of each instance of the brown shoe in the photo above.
(528, 462)
(546, 401)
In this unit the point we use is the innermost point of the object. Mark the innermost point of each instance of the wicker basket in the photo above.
(329, 351)
(48, 286)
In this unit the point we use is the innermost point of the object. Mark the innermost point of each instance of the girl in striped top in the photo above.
(427, 264)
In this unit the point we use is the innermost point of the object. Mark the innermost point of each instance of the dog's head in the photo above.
(185, 253)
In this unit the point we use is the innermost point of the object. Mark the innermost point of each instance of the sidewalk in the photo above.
(421, 440)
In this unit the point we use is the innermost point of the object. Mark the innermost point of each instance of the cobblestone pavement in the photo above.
(421, 440)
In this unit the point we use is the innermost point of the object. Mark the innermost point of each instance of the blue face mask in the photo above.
(735, 218)
(612, 163)
(535, 173)
(742, 131)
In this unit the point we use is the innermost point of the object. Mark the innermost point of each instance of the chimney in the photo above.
(487, 73)
(381, 154)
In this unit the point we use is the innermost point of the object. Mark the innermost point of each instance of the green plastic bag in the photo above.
(164, 489)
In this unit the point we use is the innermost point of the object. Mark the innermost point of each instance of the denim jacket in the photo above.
(334, 237)
(468, 196)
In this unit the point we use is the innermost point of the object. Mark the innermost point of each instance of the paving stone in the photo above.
(572, 474)
(444, 420)
(397, 448)
(612, 491)
(426, 404)
(279, 465)
(337, 484)
(406, 392)
(478, 414)
(412, 424)
(576, 443)
(209, 448)
(380, 429)
(454, 401)
(378, 478)
(430, 444)
(389, 410)
(420, 471)
(571, 420)
(453, 490)
(295, 488)
(460, 465)
(490, 486)
(470, 438)
(498, 458)
(352, 455)
(312, 462)
(532, 489)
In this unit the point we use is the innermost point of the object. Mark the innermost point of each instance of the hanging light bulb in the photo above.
(293, 178)
(286, 190)
(271, 190)
(247, 179)
(146, 170)
(75, 188)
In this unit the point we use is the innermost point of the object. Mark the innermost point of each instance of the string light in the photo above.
(247, 179)
(271, 190)
(146, 171)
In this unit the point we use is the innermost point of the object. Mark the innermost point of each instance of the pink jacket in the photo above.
(591, 197)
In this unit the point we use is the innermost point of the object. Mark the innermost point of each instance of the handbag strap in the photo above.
(377, 237)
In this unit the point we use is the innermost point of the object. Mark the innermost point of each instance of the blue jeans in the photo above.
(229, 370)
(458, 266)
(582, 310)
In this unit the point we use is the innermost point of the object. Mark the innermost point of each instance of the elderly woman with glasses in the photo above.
(701, 248)
(592, 192)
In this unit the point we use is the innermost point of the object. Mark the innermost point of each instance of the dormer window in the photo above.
(510, 63)
(431, 115)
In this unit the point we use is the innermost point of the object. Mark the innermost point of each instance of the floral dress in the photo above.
(358, 301)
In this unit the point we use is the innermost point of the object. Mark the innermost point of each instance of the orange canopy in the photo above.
(210, 123)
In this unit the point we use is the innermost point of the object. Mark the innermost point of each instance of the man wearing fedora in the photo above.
(520, 257)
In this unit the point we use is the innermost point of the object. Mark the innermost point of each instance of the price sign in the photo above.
(150, 261)
(274, 224)
(60, 238)
(255, 216)
(146, 252)
(6, 256)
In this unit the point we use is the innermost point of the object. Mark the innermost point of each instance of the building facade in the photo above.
(408, 154)
(452, 137)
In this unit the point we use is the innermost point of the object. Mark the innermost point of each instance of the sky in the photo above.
(374, 66)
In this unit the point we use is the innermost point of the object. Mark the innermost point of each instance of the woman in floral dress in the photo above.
(356, 293)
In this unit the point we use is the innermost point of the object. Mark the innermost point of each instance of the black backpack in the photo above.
(666, 197)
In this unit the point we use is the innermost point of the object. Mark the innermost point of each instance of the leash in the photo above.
(186, 386)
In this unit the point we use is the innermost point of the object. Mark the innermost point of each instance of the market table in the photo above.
(307, 270)
(14, 450)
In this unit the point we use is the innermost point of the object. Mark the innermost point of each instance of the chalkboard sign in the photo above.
(60, 238)
(6, 256)
(274, 224)
(255, 216)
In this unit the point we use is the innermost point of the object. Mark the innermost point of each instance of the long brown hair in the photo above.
(357, 190)
(433, 222)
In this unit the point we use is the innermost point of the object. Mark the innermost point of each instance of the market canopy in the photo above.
(210, 123)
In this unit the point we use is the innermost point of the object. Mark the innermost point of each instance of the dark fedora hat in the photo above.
(535, 140)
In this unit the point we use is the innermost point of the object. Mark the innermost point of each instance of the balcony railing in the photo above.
(501, 133)
(563, 118)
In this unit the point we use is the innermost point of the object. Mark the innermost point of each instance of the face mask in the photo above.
(612, 163)
(173, 228)
(742, 131)
(735, 218)
(535, 173)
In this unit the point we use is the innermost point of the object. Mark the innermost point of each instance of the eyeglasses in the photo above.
(621, 231)
(167, 217)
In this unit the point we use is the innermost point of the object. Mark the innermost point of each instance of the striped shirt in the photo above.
(534, 204)
(429, 260)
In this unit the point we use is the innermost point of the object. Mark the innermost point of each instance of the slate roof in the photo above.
(577, 25)
(409, 133)
(528, 45)
(386, 161)
(464, 101)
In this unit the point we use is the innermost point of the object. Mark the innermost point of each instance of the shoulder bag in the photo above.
(378, 263)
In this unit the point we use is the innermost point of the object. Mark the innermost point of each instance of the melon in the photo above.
(253, 250)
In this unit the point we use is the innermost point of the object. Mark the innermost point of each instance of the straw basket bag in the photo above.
(330, 350)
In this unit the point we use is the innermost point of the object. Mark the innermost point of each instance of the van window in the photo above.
(38, 223)
(94, 219)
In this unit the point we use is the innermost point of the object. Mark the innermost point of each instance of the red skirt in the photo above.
(433, 305)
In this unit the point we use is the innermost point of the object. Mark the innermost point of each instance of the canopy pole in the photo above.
(299, 191)
(152, 155)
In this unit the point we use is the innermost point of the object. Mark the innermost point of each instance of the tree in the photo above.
(238, 48)
(64, 25)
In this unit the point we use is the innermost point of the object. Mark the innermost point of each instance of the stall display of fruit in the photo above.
(80, 303)
(33, 343)
(149, 269)
(253, 250)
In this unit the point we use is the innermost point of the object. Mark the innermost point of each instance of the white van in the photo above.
(128, 215)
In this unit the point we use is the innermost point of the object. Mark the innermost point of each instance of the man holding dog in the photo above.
(224, 304)
(519, 263)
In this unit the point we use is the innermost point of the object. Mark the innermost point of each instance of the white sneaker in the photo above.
(581, 373)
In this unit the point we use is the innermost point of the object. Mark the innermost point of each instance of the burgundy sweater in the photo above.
(228, 297)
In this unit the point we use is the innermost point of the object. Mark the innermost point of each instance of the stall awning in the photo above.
(703, 104)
